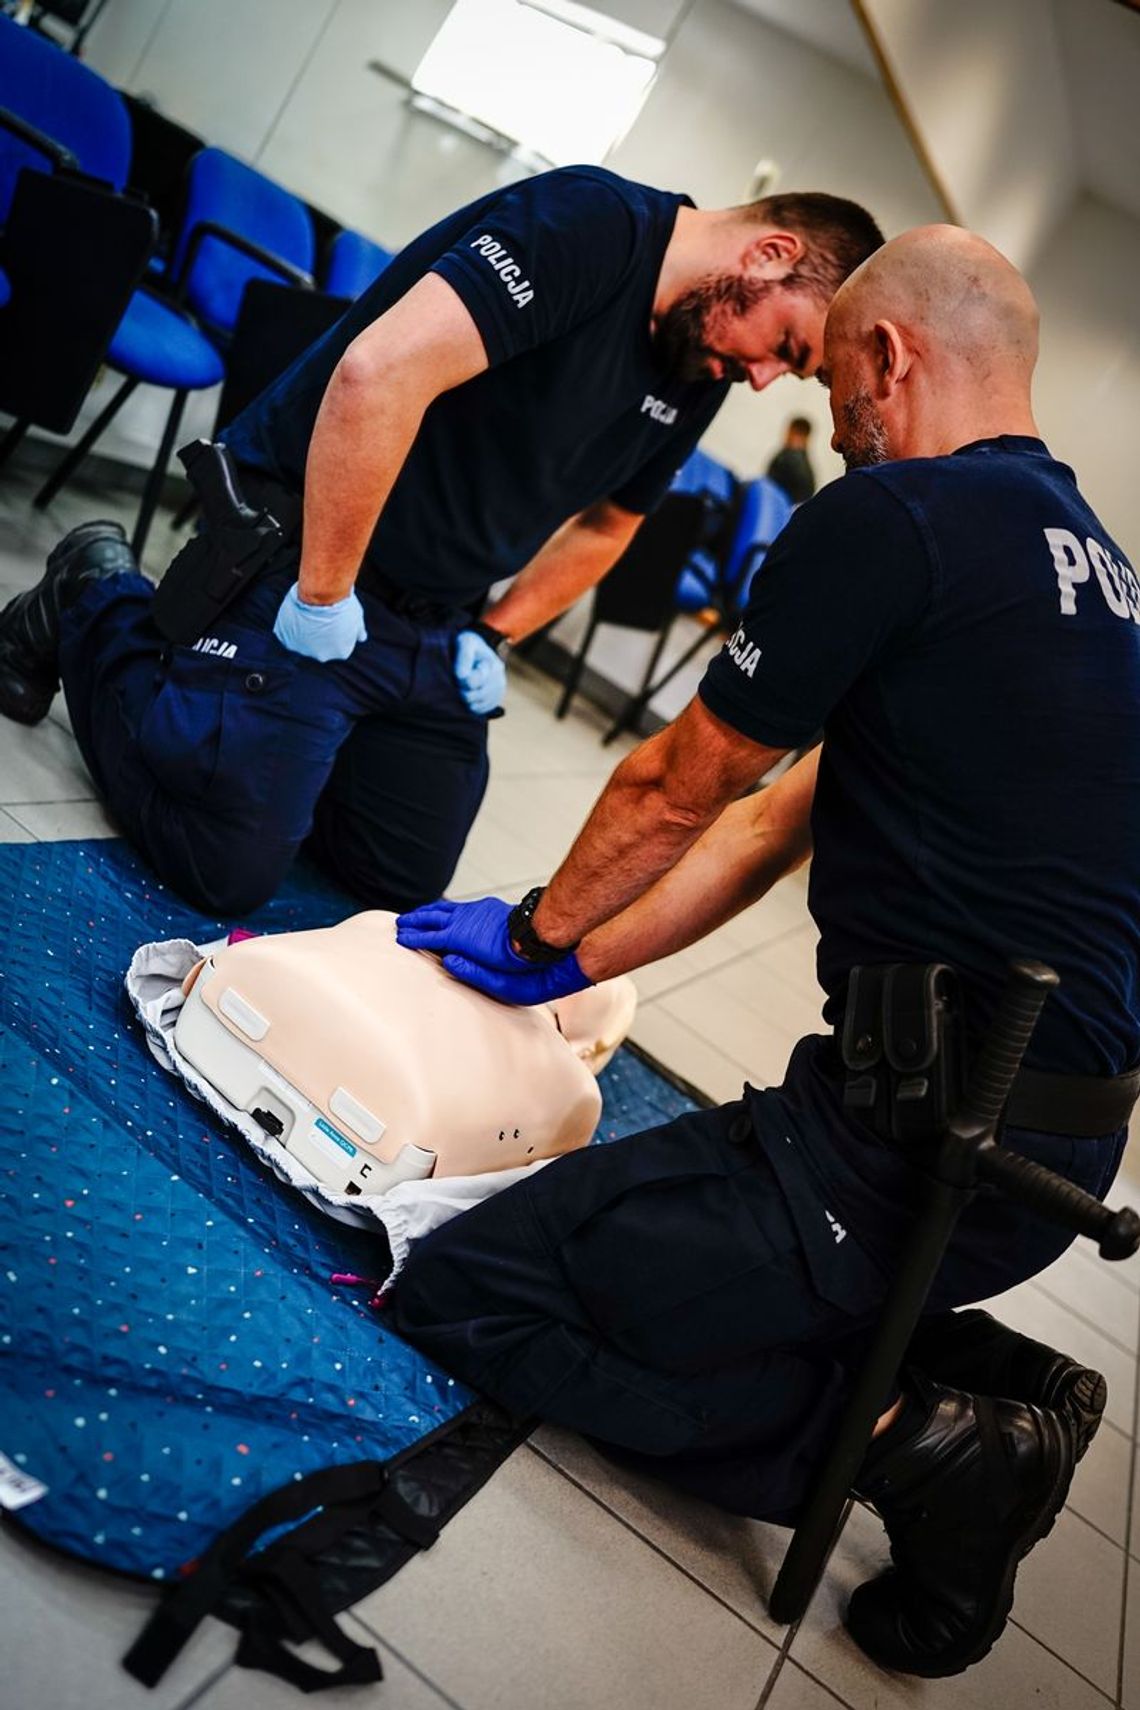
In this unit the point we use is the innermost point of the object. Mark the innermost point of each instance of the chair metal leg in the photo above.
(157, 475)
(13, 437)
(628, 719)
(574, 675)
(66, 468)
(806, 1554)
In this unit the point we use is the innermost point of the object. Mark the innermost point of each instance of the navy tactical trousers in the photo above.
(221, 759)
(664, 1295)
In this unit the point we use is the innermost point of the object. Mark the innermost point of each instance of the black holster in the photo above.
(904, 1049)
(234, 545)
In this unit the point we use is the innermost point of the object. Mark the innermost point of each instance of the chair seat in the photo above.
(5, 288)
(156, 343)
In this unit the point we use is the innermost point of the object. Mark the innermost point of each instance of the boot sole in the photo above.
(1060, 1452)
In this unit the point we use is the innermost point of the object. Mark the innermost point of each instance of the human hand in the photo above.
(480, 673)
(320, 632)
(527, 983)
(478, 931)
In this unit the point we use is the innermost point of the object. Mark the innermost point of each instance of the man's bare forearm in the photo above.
(660, 800)
(422, 346)
(574, 558)
(746, 850)
(362, 437)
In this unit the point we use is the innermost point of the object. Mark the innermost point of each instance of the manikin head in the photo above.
(929, 345)
(744, 291)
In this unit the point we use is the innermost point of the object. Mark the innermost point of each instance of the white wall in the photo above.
(1087, 392)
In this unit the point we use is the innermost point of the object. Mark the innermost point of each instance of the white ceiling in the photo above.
(1099, 46)
(1100, 49)
(829, 25)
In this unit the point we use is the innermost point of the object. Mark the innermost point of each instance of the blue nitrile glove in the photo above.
(529, 984)
(474, 941)
(480, 673)
(475, 930)
(320, 632)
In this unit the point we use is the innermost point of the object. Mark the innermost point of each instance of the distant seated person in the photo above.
(791, 467)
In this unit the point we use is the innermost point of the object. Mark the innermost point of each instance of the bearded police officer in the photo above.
(967, 634)
(513, 393)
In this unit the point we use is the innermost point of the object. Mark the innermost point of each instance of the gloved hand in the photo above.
(530, 984)
(320, 632)
(480, 673)
(474, 930)
(474, 941)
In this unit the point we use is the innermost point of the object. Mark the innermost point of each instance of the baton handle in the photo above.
(1117, 1233)
(1027, 986)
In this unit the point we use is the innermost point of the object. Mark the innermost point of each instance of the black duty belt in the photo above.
(285, 505)
(1082, 1105)
(405, 602)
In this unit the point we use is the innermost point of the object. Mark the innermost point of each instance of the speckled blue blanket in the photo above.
(171, 1345)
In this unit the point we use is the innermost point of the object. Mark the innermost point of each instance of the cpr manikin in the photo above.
(371, 1066)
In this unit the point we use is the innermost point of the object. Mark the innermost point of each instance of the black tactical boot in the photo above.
(29, 624)
(972, 1351)
(965, 1486)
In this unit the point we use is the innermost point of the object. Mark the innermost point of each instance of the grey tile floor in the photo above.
(564, 1586)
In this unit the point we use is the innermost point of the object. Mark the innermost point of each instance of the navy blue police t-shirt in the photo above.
(559, 275)
(967, 635)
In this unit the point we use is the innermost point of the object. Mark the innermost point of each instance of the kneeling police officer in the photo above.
(513, 393)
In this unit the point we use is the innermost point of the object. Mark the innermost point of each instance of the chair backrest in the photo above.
(226, 192)
(353, 262)
(160, 163)
(700, 583)
(65, 99)
(639, 592)
(765, 509)
(277, 323)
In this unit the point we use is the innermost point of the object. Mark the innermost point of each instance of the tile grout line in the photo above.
(729, 961)
(658, 1549)
(393, 1650)
(1091, 1323)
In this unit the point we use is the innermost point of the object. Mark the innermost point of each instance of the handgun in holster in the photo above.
(233, 545)
(904, 1049)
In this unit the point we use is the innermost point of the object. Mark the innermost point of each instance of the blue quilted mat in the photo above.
(172, 1345)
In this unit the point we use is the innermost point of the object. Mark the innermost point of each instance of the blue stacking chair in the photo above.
(353, 262)
(742, 521)
(238, 225)
(764, 510)
(74, 245)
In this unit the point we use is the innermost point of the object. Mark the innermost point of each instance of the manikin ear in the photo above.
(892, 356)
(772, 255)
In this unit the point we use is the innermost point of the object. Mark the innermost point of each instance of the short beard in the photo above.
(864, 438)
(681, 336)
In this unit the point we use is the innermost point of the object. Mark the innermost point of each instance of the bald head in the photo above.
(947, 327)
(952, 292)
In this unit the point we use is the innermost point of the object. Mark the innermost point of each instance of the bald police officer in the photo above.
(967, 633)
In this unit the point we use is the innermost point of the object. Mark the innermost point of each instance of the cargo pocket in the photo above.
(180, 735)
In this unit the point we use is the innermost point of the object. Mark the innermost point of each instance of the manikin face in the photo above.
(732, 327)
(860, 435)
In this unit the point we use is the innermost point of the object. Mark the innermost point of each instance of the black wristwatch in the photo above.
(525, 940)
(495, 639)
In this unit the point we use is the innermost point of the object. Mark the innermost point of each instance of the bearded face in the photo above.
(685, 337)
(861, 438)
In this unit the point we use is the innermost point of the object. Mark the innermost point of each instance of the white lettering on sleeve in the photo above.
(506, 267)
(744, 654)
